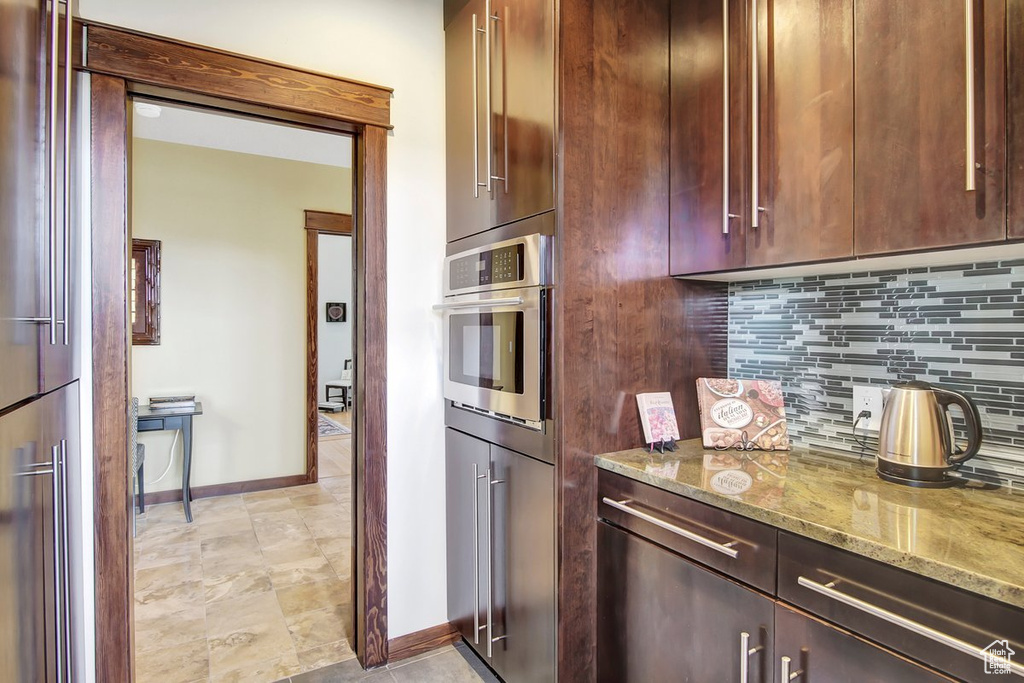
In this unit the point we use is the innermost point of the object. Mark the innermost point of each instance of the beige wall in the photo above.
(233, 300)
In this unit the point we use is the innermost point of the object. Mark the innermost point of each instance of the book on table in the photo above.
(169, 402)
(657, 417)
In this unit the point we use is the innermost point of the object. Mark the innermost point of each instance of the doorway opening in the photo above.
(252, 580)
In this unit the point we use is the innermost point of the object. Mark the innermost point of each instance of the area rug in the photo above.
(328, 427)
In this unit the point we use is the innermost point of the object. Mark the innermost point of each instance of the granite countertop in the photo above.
(971, 537)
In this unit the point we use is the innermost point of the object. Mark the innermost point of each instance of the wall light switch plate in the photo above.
(868, 398)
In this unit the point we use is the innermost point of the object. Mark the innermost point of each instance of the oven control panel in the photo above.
(502, 265)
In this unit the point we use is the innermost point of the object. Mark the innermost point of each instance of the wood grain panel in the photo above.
(329, 221)
(312, 361)
(113, 543)
(228, 489)
(417, 643)
(805, 109)
(910, 122)
(161, 62)
(625, 326)
(370, 419)
(1015, 116)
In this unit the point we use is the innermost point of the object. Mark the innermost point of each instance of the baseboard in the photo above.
(174, 495)
(412, 644)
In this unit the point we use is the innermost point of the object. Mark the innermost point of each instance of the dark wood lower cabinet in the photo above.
(501, 556)
(664, 618)
(820, 653)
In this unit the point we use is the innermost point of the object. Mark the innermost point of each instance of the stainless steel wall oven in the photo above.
(496, 312)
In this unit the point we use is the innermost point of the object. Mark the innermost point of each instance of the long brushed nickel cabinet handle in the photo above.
(51, 135)
(745, 653)
(476, 553)
(65, 552)
(58, 565)
(476, 114)
(724, 548)
(487, 99)
(755, 134)
(504, 93)
(829, 591)
(970, 154)
(66, 322)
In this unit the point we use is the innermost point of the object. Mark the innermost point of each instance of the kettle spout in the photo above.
(886, 392)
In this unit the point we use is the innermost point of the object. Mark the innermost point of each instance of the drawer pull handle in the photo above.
(745, 653)
(829, 591)
(724, 548)
(786, 675)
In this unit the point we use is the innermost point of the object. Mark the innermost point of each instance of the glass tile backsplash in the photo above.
(961, 327)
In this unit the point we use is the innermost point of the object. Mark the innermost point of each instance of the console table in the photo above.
(158, 419)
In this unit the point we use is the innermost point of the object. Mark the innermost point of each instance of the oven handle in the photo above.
(481, 303)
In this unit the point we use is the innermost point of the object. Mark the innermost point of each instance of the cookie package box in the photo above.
(747, 414)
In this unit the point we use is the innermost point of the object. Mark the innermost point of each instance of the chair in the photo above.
(138, 458)
(344, 385)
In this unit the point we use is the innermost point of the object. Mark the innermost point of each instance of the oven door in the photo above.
(493, 353)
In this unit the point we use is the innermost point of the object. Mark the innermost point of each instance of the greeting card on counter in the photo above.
(658, 417)
(745, 414)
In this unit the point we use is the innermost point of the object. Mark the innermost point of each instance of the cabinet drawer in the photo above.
(734, 545)
(908, 613)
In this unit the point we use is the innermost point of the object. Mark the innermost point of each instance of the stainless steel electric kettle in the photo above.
(916, 445)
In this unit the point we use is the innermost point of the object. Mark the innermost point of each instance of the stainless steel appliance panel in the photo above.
(523, 614)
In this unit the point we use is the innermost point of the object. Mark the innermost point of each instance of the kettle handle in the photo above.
(945, 397)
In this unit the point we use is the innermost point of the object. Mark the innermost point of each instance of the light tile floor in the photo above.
(258, 588)
(445, 665)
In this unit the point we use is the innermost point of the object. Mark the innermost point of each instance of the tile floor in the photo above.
(446, 665)
(258, 588)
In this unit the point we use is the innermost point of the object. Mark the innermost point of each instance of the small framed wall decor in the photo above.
(335, 312)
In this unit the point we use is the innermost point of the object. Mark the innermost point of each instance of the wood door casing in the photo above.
(697, 242)
(910, 122)
(805, 110)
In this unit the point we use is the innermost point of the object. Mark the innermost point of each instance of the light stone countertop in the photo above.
(971, 537)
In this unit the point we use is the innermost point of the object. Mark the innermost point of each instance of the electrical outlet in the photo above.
(868, 398)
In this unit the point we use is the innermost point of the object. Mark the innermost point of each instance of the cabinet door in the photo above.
(819, 652)
(466, 465)
(523, 118)
(804, 140)
(469, 203)
(664, 618)
(709, 145)
(523, 538)
(911, 121)
(21, 194)
(500, 98)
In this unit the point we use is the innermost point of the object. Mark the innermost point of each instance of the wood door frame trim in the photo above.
(110, 137)
(317, 223)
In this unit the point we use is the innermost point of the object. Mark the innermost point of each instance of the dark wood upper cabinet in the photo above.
(803, 100)
(913, 107)
(709, 143)
(500, 99)
(1015, 118)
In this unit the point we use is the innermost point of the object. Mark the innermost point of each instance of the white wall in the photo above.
(397, 43)
(232, 304)
(334, 340)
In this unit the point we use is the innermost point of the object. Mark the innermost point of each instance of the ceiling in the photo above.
(204, 128)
